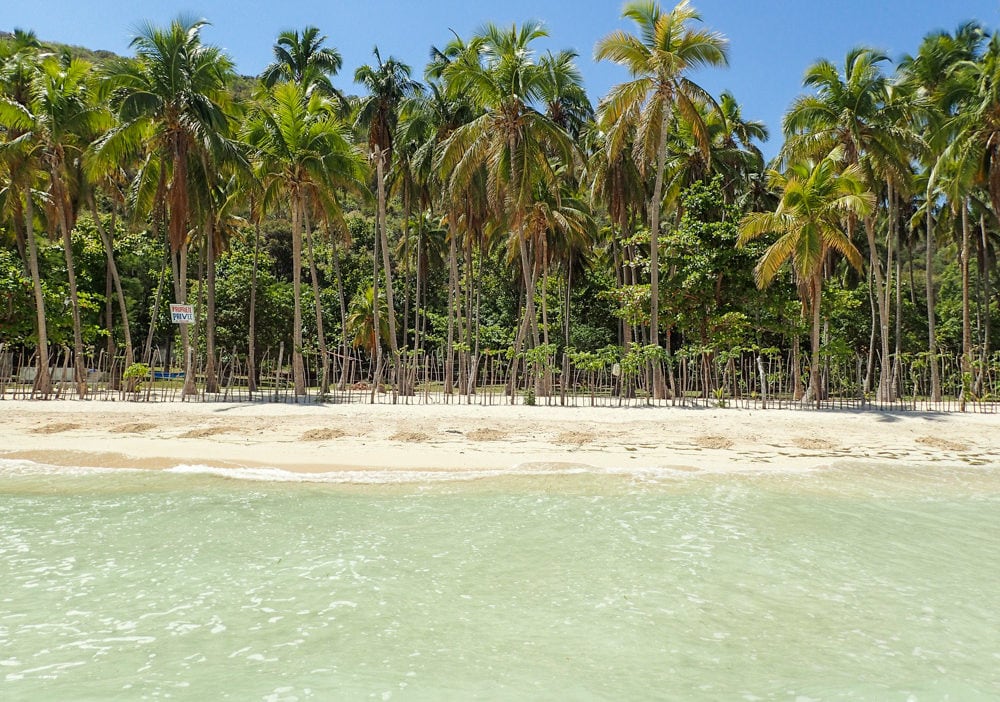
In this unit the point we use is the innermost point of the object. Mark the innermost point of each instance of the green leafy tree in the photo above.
(815, 197)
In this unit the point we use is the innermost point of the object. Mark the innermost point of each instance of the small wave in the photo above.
(20, 467)
(371, 477)
(28, 468)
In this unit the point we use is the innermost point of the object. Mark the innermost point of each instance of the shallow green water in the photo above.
(852, 583)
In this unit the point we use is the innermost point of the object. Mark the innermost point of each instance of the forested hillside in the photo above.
(479, 212)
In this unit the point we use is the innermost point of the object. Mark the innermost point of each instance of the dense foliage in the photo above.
(490, 209)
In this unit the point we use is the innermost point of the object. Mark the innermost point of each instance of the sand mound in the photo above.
(944, 444)
(409, 437)
(813, 443)
(713, 442)
(207, 431)
(56, 428)
(486, 435)
(132, 428)
(321, 435)
(577, 438)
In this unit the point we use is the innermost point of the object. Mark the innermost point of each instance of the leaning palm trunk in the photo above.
(147, 354)
(79, 372)
(109, 253)
(324, 386)
(882, 308)
(43, 381)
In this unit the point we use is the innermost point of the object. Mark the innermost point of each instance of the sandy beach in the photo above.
(325, 438)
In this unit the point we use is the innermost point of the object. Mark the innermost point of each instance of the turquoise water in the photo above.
(854, 583)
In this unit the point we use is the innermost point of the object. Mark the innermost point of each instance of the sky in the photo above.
(771, 42)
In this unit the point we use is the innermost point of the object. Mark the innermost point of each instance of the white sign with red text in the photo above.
(182, 314)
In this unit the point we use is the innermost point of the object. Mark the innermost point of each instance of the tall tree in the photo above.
(302, 58)
(849, 110)
(815, 198)
(20, 167)
(302, 154)
(388, 83)
(520, 146)
(172, 106)
(667, 49)
(930, 73)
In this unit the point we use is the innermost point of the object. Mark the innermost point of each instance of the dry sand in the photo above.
(321, 438)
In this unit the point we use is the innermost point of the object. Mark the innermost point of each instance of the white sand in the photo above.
(320, 438)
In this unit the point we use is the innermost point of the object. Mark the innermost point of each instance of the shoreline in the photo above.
(461, 438)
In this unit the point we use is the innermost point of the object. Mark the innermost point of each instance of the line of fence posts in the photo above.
(699, 377)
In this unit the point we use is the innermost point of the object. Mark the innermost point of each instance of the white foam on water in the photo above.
(643, 474)
(372, 477)
(26, 468)
(19, 467)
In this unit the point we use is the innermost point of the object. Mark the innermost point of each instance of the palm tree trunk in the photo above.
(527, 271)
(418, 286)
(147, 354)
(43, 381)
(324, 386)
(814, 387)
(298, 366)
(109, 253)
(449, 361)
(870, 368)
(883, 311)
(654, 254)
(984, 255)
(190, 387)
(346, 348)
(897, 353)
(469, 291)
(966, 321)
(79, 372)
(252, 333)
(407, 271)
(211, 381)
(387, 265)
(931, 331)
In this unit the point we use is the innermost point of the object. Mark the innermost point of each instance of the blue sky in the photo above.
(771, 41)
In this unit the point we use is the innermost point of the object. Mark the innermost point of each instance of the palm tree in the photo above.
(667, 49)
(566, 102)
(519, 145)
(930, 74)
(302, 155)
(302, 58)
(64, 121)
(172, 106)
(21, 169)
(426, 122)
(388, 83)
(815, 198)
(851, 110)
(973, 156)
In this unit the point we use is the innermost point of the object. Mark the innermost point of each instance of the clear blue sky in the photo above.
(771, 41)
